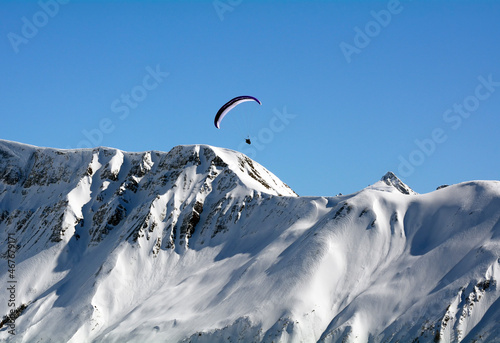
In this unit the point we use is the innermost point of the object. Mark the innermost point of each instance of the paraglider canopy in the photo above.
(230, 105)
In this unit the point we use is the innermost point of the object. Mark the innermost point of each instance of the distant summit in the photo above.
(392, 180)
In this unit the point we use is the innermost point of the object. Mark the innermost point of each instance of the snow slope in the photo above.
(202, 244)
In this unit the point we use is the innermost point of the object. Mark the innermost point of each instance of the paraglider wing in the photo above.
(230, 105)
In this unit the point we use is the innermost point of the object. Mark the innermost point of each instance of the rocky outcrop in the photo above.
(392, 180)
(46, 187)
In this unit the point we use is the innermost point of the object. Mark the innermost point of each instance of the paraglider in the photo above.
(229, 106)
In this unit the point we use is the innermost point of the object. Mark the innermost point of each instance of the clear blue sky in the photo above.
(349, 89)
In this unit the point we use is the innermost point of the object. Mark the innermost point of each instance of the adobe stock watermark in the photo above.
(454, 117)
(276, 124)
(371, 29)
(11, 283)
(31, 26)
(123, 106)
(223, 6)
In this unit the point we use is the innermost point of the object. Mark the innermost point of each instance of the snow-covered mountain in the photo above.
(202, 244)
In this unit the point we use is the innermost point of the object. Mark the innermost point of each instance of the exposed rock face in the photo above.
(392, 180)
(89, 193)
(202, 244)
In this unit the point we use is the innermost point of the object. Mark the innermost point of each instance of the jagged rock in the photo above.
(392, 180)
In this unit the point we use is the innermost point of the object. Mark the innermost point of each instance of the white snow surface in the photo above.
(202, 244)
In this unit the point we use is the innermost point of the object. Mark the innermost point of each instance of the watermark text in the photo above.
(363, 36)
(276, 124)
(31, 26)
(123, 106)
(221, 7)
(11, 283)
(454, 117)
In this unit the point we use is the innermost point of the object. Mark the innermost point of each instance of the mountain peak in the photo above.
(89, 193)
(391, 179)
(250, 173)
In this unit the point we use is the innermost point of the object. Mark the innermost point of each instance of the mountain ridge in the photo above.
(202, 244)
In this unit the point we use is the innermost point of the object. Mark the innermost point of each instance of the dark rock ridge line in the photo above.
(119, 186)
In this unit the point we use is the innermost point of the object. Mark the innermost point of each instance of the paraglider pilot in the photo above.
(221, 113)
